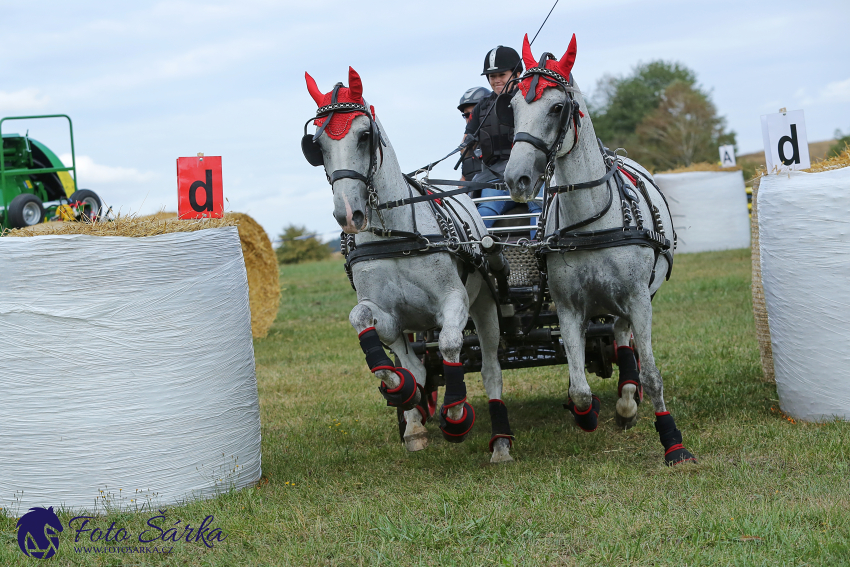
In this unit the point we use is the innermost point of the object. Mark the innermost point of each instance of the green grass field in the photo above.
(339, 488)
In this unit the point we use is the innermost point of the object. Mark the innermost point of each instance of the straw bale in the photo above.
(263, 275)
(260, 260)
(703, 166)
(123, 225)
(835, 162)
(261, 265)
(759, 306)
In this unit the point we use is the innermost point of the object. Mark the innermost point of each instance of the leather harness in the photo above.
(569, 239)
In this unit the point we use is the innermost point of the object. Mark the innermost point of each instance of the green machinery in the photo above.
(35, 186)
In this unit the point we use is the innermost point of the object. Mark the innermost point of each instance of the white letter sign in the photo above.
(786, 147)
(727, 156)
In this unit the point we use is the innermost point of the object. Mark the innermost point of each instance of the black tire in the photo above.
(91, 202)
(25, 210)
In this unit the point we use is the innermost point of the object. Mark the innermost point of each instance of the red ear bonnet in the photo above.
(314, 89)
(340, 121)
(563, 67)
(527, 57)
(355, 85)
(566, 63)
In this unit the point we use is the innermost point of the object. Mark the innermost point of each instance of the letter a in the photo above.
(208, 193)
(795, 158)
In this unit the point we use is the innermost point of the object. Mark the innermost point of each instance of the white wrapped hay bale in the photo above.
(709, 209)
(126, 370)
(804, 237)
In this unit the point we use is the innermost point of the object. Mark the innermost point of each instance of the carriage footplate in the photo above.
(455, 431)
(501, 426)
(587, 420)
(629, 372)
(674, 452)
(406, 394)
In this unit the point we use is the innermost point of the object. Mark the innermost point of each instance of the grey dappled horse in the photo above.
(553, 128)
(417, 291)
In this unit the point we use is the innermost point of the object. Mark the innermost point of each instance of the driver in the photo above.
(471, 162)
(493, 139)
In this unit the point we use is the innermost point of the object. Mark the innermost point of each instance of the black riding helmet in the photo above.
(473, 96)
(500, 59)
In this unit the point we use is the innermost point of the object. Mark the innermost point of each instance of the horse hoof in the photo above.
(677, 456)
(625, 422)
(501, 454)
(416, 441)
(627, 406)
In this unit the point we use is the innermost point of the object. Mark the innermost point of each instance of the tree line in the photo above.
(660, 115)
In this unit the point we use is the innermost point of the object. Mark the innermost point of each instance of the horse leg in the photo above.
(582, 403)
(374, 329)
(650, 377)
(486, 318)
(414, 435)
(456, 414)
(629, 390)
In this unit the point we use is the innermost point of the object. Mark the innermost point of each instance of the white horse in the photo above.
(404, 281)
(608, 241)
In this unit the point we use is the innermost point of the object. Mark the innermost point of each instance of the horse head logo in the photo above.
(38, 533)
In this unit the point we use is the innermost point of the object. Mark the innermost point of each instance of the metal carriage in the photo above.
(530, 334)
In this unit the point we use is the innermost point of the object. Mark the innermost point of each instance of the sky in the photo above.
(148, 82)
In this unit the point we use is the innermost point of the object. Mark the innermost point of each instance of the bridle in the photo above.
(313, 152)
(570, 114)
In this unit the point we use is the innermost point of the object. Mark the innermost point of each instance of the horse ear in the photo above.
(527, 57)
(314, 89)
(566, 63)
(355, 85)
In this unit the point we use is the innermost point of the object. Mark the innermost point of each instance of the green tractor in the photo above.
(35, 186)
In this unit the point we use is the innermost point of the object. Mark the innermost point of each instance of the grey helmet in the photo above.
(473, 96)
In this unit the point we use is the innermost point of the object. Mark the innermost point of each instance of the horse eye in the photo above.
(556, 109)
(365, 135)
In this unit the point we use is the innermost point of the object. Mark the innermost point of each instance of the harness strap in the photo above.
(593, 218)
(467, 187)
(394, 248)
(608, 238)
(533, 140)
(586, 185)
(347, 174)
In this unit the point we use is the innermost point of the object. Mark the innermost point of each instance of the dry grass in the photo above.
(123, 225)
(835, 162)
(703, 166)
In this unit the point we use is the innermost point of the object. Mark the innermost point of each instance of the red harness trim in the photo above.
(360, 334)
(629, 176)
(673, 448)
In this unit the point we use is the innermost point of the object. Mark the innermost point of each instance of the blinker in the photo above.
(312, 151)
(504, 111)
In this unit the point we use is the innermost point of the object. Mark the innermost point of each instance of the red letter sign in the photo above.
(199, 191)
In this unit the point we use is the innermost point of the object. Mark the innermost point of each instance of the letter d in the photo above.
(795, 157)
(208, 193)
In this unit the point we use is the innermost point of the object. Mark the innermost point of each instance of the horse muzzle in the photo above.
(524, 175)
(350, 213)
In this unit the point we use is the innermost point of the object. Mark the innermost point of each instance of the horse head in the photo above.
(346, 142)
(545, 116)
